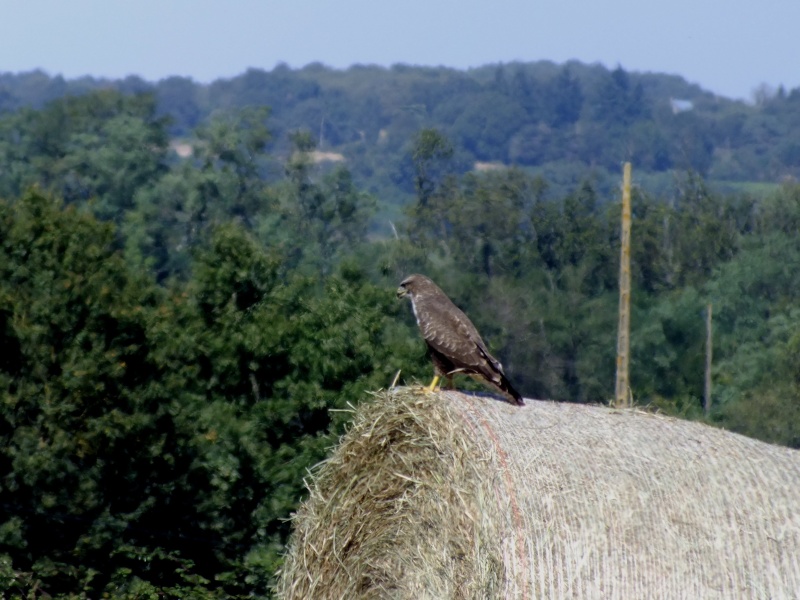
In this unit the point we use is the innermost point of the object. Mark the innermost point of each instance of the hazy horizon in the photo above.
(730, 51)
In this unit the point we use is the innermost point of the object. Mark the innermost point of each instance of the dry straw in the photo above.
(455, 496)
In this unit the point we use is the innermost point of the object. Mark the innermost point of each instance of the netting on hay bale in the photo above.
(456, 496)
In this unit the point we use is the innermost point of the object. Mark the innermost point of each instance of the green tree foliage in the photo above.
(567, 99)
(223, 181)
(430, 154)
(618, 101)
(232, 146)
(487, 124)
(573, 114)
(98, 149)
(550, 267)
(155, 440)
(177, 329)
(181, 99)
(318, 218)
(85, 444)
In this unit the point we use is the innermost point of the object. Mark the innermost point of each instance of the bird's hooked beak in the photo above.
(402, 292)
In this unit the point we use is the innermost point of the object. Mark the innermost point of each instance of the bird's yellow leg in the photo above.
(434, 383)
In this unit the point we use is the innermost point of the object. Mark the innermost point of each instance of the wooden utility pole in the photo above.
(622, 396)
(709, 348)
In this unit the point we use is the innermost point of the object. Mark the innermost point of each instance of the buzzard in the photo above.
(454, 344)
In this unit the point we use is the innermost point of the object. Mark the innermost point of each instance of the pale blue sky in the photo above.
(729, 47)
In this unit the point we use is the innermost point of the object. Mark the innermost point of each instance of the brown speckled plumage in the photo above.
(455, 345)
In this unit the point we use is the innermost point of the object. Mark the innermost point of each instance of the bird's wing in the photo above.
(450, 332)
(490, 359)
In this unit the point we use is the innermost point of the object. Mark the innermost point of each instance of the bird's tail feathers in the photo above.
(506, 386)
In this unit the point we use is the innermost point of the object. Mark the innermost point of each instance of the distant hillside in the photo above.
(560, 120)
(195, 289)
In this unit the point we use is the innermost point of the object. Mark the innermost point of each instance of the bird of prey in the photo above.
(455, 346)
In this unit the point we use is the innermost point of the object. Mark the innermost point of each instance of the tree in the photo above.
(488, 227)
(178, 99)
(486, 125)
(319, 218)
(151, 435)
(224, 181)
(98, 149)
(77, 401)
(566, 98)
(527, 92)
(617, 101)
(430, 153)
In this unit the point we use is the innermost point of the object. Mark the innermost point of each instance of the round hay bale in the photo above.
(455, 496)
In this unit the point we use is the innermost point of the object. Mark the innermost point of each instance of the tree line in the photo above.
(177, 330)
(551, 119)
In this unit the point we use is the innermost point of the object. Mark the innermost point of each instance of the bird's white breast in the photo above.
(414, 308)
